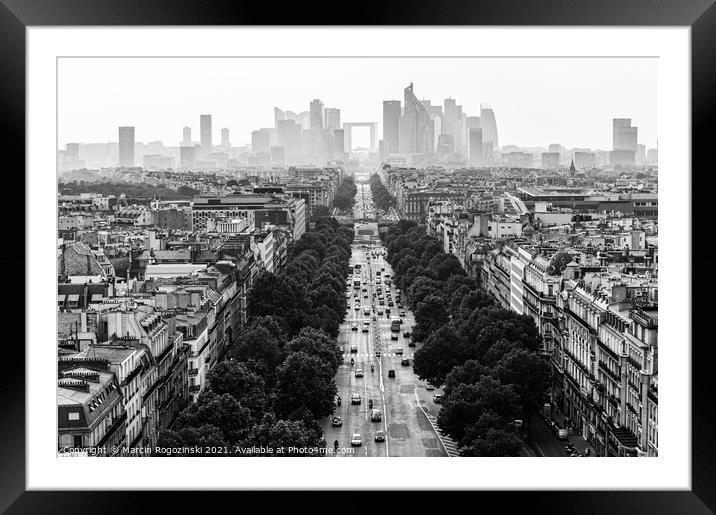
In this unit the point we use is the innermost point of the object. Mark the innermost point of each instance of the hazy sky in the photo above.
(537, 101)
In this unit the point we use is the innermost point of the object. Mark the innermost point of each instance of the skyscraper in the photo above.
(260, 140)
(317, 115)
(339, 144)
(489, 128)
(391, 118)
(186, 136)
(187, 156)
(225, 138)
(126, 146)
(205, 133)
(475, 147)
(333, 118)
(288, 135)
(415, 128)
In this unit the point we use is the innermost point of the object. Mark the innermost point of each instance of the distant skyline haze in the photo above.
(536, 101)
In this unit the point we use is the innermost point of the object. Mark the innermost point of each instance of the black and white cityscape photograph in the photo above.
(357, 257)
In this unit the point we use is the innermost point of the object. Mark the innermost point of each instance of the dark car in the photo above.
(394, 336)
(405, 362)
(438, 398)
(391, 373)
(337, 422)
(406, 334)
(411, 343)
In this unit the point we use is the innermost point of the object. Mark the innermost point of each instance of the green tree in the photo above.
(305, 381)
(468, 402)
(528, 373)
(439, 354)
(236, 379)
(430, 315)
(291, 435)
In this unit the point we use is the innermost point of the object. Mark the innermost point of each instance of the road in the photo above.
(408, 431)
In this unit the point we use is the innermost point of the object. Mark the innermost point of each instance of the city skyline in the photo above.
(579, 111)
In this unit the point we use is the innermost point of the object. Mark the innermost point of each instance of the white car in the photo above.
(356, 440)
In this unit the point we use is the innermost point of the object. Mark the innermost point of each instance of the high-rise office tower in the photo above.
(205, 133)
(126, 146)
(550, 160)
(454, 122)
(278, 114)
(316, 123)
(473, 122)
(415, 128)
(617, 125)
(391, 118)
(288, 135)
(333, 118)
(475, 147)
(489, 127)
(339, 144)
(186, 136)
(72, 151)
(225, 138)
(260, 140)
(187, 156)
(317, 114)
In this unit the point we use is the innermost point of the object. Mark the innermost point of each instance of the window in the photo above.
(73, 415)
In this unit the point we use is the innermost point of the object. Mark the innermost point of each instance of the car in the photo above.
(367, 323)
(365, 296)
(337, 422)
(354, 348)
(359, 372)
(375, 416)
(561, 433)
(411, 343)
(394, 336)
(399, 350)
(357, 307)
(356, 440)
(438, 398)
(380, 312)
(380, 436)
(355, 398)
(402, 313)
(406, 334)
(429, 387)
(391, 373)
(405, 362)
(390, 303)
(366, 312)
(382, 302)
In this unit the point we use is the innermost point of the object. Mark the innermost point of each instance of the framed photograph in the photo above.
(432, 239)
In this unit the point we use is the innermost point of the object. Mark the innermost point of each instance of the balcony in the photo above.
(195, 388)
(193, 372)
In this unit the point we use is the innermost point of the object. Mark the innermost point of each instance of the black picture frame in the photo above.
(700, 15)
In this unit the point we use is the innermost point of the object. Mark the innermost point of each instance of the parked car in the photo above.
(406, 334)
(365, 329)
(399, 350)
(438, 398)
(428, 386)
(402, 313)
(391, 373)
(405, 362)
(354, 348)
(411, 343)
(354, 326)
(394, 336)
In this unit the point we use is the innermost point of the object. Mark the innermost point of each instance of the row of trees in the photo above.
(487, 357)
(381, 196)
(346, 194)
(279, 375)
(130, 189)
